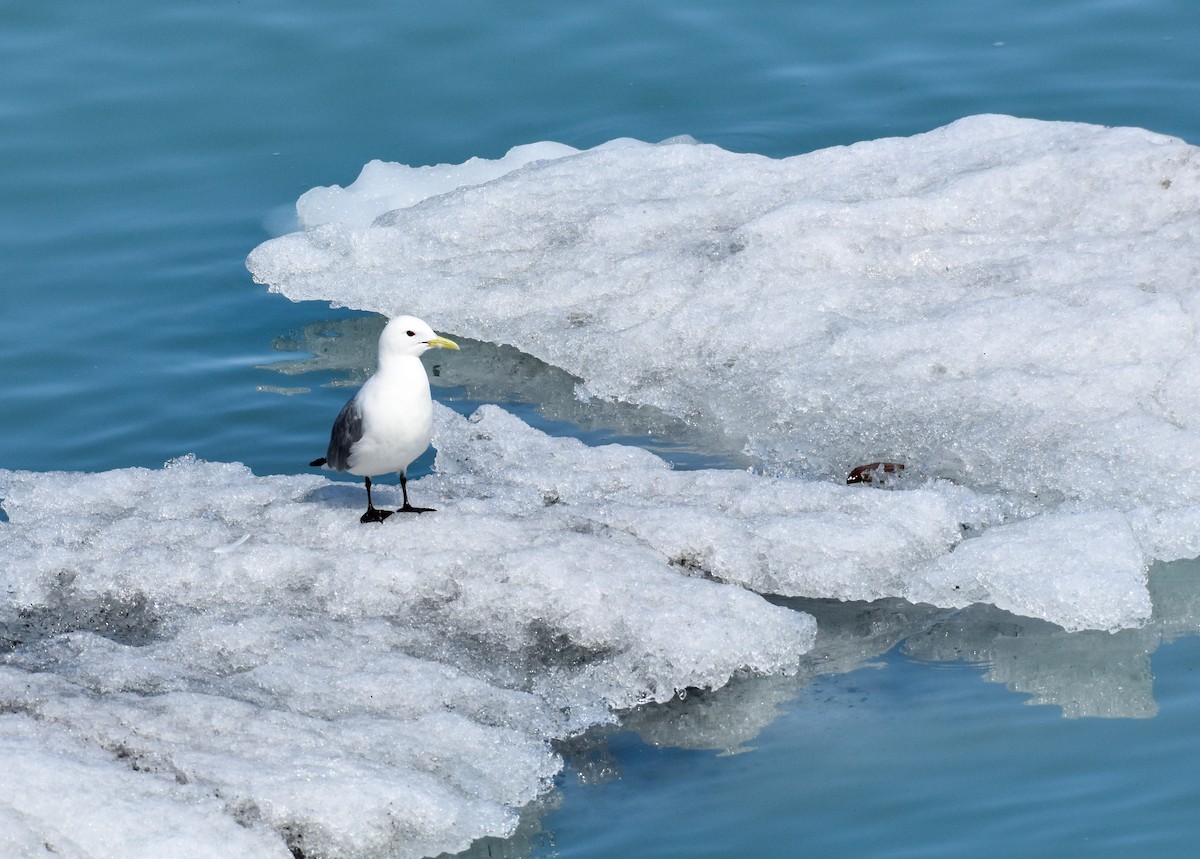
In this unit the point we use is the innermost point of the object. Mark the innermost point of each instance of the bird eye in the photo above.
(411, 333)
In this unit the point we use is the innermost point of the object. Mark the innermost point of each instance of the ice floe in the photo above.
(255, 672)
(261, 659)
(1007, 306)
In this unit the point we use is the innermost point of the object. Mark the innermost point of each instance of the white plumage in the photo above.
(389, 422)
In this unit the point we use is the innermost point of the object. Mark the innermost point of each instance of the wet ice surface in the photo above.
(941, 299)
(263, 660)
(1006, 306)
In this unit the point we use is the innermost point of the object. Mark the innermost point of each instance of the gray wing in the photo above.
(347, 429)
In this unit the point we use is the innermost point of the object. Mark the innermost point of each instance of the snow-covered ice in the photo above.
(354, 690)
(1007, 306)
(253, 671)
(795, 537)
(943, 299)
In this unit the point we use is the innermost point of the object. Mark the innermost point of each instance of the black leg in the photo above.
(408, 508)
(372, 514)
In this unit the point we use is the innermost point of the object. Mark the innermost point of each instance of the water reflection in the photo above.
(555, 400)
(1097, 674)
(1094, 674)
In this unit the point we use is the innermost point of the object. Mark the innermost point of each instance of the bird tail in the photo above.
(317, 462)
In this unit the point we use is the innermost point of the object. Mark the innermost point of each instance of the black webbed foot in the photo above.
(374, 514)
(408, 508)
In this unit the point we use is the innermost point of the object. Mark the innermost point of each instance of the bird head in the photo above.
(409, 336)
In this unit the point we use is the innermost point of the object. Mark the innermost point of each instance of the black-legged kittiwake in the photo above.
(389, 422)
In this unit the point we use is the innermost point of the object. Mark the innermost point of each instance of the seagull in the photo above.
(389, 422)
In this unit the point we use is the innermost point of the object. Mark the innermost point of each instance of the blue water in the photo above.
(147, 147)
(908, 760)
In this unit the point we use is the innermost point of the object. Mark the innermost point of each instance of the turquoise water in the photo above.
(905, 760)
(148, 147)
(912, 756)
(145, 146)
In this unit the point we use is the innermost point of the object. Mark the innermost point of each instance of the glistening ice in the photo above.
(1009, 307)
(259, 658)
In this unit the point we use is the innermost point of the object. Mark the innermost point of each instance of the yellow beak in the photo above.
(442, 343)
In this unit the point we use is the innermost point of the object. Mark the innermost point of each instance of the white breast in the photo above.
(397, 419)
